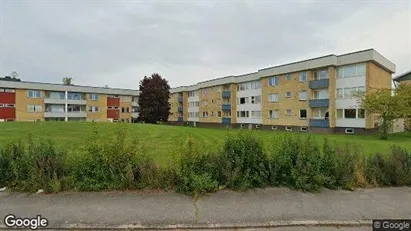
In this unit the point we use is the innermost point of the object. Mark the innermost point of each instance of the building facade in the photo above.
(30, 101)
(315, 95)
(312, 95)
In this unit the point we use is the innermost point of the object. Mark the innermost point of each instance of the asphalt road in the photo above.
(139, 209)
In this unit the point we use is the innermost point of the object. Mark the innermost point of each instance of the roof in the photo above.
(403, 76)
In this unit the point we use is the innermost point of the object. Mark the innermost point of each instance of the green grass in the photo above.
(162, 141)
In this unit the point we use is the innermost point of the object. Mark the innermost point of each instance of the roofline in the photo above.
(401, 76)
(305, 60)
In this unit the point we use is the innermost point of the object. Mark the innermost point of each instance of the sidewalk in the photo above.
(270, 207)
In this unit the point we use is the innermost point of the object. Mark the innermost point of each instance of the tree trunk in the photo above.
(384, 129)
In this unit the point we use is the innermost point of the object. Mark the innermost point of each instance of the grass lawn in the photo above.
(160, 140)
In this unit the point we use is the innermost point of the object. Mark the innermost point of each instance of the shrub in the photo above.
(375, 170)
(398, 167)
(105, 163)
(194, 171)
(14, 166)
(244, 163)
(150, 175)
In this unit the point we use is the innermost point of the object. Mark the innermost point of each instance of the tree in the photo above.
(153, 100)
(67, 81)
(388, 105)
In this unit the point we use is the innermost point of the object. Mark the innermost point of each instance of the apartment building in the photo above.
(310, 95)
(32, 101)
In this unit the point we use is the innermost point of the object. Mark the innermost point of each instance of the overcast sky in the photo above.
(119, 42)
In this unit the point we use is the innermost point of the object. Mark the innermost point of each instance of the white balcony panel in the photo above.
(77, 102)
(54, 114)
(76, 114)
(134, 104)
(134, 114)
(54, 101)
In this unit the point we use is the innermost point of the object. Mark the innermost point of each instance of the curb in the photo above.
(273, 224)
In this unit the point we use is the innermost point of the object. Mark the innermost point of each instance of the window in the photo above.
(9, 90)
(34, 94)
(113, 96)
(205, 114)
(204, 102)
(303, 76)
(303, 114)
(352, 71)
(204, 91)
(340, 114)
(192, 93)
(243, 100)
(288, 77)
(125, 99)
(340, 93)
(289, 129)
(219, 114)
(127, 109)
(258, 126)
(273, 114)
(123, 109)
(361, 113)
(274, 97)
(93, 96)
(303, 129)
(256, 99)
(2, 89)
(288, 112)
(255, 114)
(242, 114)
(302, 95)
(349, 92)
(320, 94)
(319, 113)
(288, 94)
(255, 85)
(349, 131)
(360, 89)
(1, 105)
(274, 81)
(34, 108)
(350, 113)
(93, 109)
(323, 74)
(9, 105)
(274, 128)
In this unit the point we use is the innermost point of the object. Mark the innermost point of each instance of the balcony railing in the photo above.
(319, 103)
(320, 123)
(180, 99)
(321, 83)
(226, 107)
(54, 101)
(180, 119)
(226, 94)
(226, 120)
(180, 109)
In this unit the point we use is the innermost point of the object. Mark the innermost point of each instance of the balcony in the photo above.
(226, 107)
(134, 114)
(55, 100)
(180, 119)
(226, 94)
(77, 101)
(77, 114)
(180, 109)
(180, 99)
(319, 102)
(320, 123)
(54, 114)
(321, 83)
(226, 120)
(134, 103)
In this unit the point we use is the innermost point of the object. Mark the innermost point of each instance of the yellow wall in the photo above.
(173, 107)
(377, 78)
(293, 103)
(332, 72)
(213, 97)
(22, 100)
(101, 103)
(125, 104)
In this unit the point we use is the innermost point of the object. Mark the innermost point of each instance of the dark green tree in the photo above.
(153, 100)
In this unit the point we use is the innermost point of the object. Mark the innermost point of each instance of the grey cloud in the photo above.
(47, 40)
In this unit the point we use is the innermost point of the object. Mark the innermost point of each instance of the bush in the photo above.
(194, 171)
(150, 175)
(244, 162)
(14, 165)
(105, 163)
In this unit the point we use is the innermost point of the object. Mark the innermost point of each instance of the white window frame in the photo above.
(273, 114)
(10, 105)
(274, 81)
(34, 94)
(274, 98)
(304, 98)
(302, 74)
(289, 129)
(288, 77)
(94, 96)
(286, 94)
(303, 129)
(288, 114)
